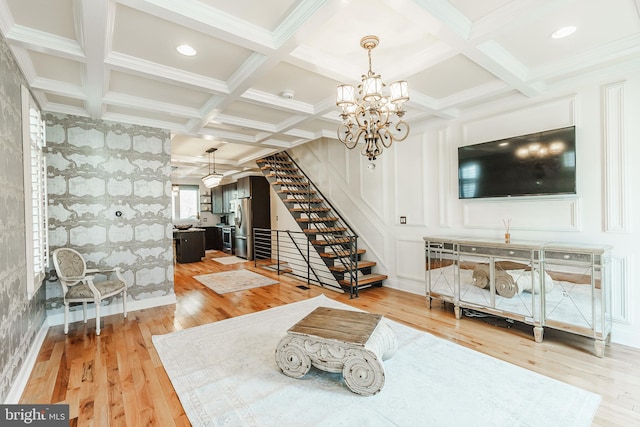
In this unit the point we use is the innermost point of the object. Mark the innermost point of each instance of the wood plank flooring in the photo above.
(117, 379)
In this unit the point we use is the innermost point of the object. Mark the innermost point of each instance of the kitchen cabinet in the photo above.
(244, 187)
(213, 238)
(216, 199)
(222, 197)
(229, 193)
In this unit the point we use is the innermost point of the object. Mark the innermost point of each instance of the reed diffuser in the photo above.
(507, 226)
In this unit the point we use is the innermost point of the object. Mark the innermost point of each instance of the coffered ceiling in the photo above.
(117, 60)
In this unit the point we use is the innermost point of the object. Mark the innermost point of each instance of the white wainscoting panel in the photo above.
(554, 114)
(338, 159)
(447, 181)
(615, 158)
(619, 293)
(372, 187)
(410, 259)
(548, 214)
(409, 181)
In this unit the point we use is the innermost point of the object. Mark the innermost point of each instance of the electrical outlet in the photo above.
(403, 220)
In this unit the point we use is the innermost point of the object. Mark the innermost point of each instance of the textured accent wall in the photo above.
(20, 318)
(109, 189)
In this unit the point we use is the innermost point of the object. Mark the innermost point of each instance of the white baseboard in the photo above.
(115, 307)
(15, 392)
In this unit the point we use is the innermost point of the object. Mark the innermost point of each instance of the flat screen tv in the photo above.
(542, 163)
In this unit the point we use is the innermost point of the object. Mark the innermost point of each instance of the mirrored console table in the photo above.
(554, 285)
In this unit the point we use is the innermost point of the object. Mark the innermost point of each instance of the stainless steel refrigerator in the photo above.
(251, 212)
(244, 229)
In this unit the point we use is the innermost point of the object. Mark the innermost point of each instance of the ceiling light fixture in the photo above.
(212, 179)
(186, 50)
(375, 116)
(563, 32)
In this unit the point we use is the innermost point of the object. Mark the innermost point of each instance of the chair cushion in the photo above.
(83, 290)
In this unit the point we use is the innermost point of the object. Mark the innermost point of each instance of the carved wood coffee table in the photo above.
(335, 340)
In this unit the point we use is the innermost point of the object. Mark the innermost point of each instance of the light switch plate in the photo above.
(403, 220)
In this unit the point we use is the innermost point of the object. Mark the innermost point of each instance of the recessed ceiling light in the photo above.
(563, 32)
(186, 50)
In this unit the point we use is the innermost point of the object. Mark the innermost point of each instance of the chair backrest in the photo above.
(69, 265)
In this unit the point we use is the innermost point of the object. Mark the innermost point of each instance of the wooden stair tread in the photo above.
(366, 279)
(315, 200)
(279, 168)
(361, 265)
(320, 219)
(309, 209)
(324, 230)
(292, 183)
(283, 175)
(290, 191)
(340, 254)
(337, 241)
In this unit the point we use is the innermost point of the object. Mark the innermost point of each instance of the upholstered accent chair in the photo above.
(78, 284)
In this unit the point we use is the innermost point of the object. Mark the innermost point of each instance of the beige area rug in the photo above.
(228, 260)
(233, 281)
(225, 374)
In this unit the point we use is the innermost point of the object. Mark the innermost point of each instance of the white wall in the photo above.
(417, 178)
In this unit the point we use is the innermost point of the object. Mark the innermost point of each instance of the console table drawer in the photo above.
(571, 257)
(499, 252)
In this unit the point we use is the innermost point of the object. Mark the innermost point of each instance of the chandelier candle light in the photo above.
(374, 116)
(212, 179)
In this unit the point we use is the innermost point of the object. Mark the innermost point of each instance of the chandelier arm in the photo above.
(348, 137)
(402, 131)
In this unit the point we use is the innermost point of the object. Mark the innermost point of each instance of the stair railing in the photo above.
(291, 255)
(334, 242)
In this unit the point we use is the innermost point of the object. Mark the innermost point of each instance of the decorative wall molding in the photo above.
(615, 166)
(538, 213)
(409, 259)
(619, 293)
(445, 175)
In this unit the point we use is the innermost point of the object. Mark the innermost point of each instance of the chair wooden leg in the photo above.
(66, 318)
(98, 318)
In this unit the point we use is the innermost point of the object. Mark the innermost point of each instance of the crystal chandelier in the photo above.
(213, 179)
(374, 116)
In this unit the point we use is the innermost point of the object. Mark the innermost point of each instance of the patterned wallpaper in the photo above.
(20, 318)
(96, 171)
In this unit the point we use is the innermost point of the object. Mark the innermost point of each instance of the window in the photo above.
(35, 192)
(185, 201)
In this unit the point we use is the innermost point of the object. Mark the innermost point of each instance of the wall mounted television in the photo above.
(542, 163)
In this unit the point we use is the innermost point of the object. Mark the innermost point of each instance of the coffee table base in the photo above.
(361, 366)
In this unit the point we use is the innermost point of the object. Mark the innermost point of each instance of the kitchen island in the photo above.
(189, 244)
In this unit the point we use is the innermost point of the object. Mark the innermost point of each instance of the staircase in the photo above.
(333, 239)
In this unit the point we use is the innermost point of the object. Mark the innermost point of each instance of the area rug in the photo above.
(233, 281)
(227, 260)
(225, 374)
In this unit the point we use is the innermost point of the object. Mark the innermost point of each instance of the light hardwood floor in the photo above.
(117, 379)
